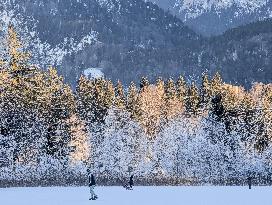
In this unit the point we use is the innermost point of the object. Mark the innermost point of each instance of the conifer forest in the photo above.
(164, 131)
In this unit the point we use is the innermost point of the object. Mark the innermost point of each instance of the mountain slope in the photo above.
(134, 38)
(244, 54)
(127, 39)
(213, 17)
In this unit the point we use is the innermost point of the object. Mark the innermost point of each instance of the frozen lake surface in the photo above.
(207, 195)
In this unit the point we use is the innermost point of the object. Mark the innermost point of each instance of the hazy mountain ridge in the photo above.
(195, 8)
(127, 39)
(213, 17)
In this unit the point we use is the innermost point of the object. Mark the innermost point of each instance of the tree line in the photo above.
(169, 129)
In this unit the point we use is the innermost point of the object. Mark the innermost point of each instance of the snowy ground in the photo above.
(139, 196)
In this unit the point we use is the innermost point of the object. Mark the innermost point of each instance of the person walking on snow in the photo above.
(92, 184)
(131, 183)
(249, 181)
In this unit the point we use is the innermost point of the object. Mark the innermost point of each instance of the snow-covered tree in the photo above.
(192, 101)
(181, 89)
(133, 102)
(205, 92)
(79, 143)
(123, 149)
(152, 107)
(173, 106)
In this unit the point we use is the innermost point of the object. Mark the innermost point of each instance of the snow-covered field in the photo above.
(208, 195)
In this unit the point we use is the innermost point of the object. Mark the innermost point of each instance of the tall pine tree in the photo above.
(133, 102)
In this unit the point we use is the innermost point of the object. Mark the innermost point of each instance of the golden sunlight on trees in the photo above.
(79, 143)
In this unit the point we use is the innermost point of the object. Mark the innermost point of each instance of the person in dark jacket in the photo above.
(92, 184)
(131, 183)
(249, 181)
